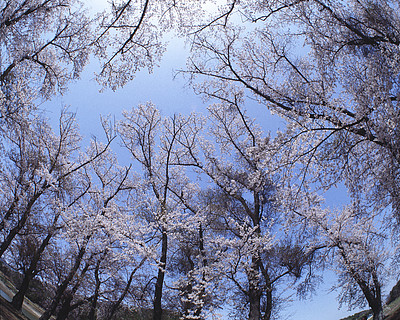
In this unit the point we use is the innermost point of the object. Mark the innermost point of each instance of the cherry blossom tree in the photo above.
(330, 69)
(200, 289)
(50, 191)
(229, 152)
(204, 211)
(152, 141)
(356, 243)
(45, 44)
(36, 164)
(133, 35)
(91, 233)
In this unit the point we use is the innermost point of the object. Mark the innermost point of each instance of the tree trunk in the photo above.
(157, 311)
(124, 293)
(377, 308)
(63, 286)
(378, 314)
(376, 303)
(93, 305)
(18, 299)
(373, 295)
(254, 293)
(255, 305)
(67, 298)
(9, 213)
(65, 307)
(199, 307)
(268, 305)
(21, 222)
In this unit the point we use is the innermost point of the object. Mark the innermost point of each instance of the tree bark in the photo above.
(372, 295)
(65, 307)
(268, 305)
(125, 292)
(63, 286)
(93, 305)
(67, 298)
(378, 314)
(255, 306)
(9, 213)
(157, 311)
(18, 299)
(199, 308)
(21, 222)
(254, 292)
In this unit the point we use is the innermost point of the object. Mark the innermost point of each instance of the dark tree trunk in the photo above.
(67, 298)
(9, 213)
(373, 295)
(18, 299)
(63, 286)
(375, 300)
(254, 292)
(255, 306)
(157, 311)
(21, 222)
(93, 305)
(199, 308)
(116, 305)
(188, 305)
(268, 305)
(378, 314)
(377, 308)
(65, 307)
(14, 231)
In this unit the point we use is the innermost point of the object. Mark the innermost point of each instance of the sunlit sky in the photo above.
(173, 96)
